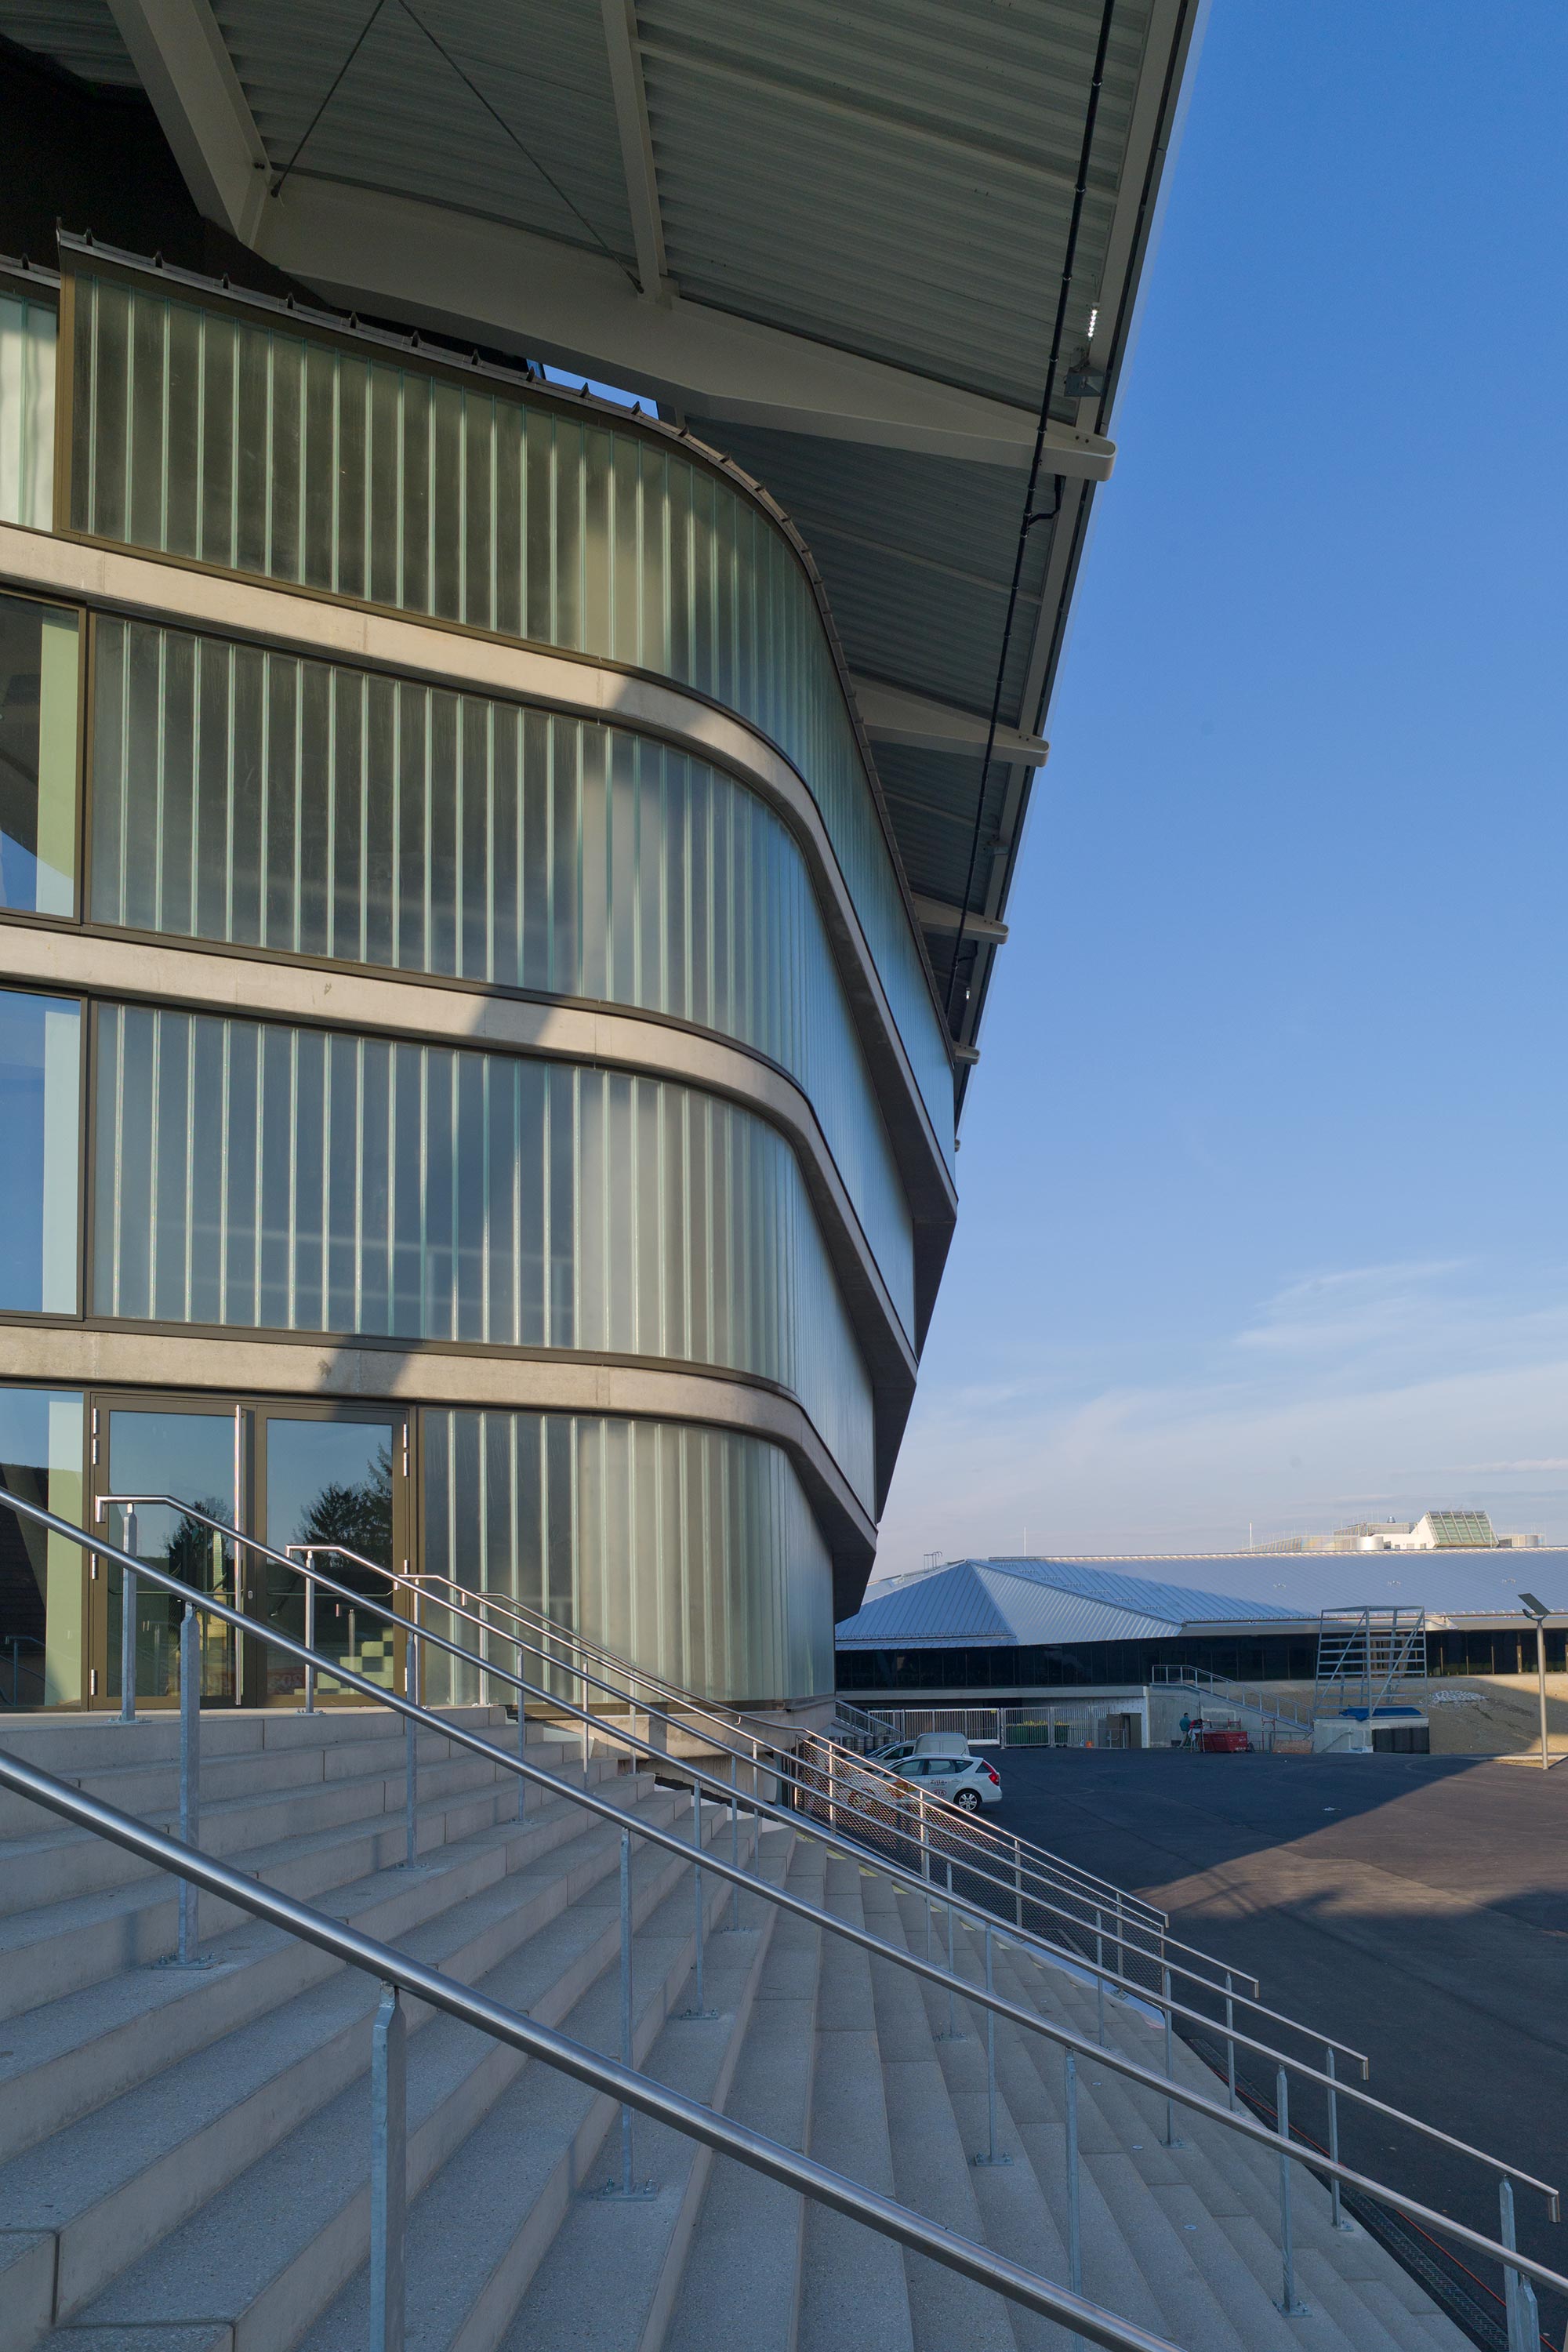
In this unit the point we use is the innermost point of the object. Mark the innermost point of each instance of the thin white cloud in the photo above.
(1379, 1391)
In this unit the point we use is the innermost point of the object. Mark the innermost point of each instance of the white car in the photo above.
(966, 1781)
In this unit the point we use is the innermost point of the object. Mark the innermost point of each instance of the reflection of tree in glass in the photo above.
(358, 1517)
(190, 1553)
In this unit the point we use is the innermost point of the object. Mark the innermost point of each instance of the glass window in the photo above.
(37, 757)
(43, 1589)
(212, 437)
(26, 409)
(692, 1551)
(253, 1174)
(40, 1101)
(254, 797)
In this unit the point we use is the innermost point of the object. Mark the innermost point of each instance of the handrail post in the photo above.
(700, 2009)
(625, 2004)
(1170, 2139)
(522, 1749)
(1288, 2302)
(128, 1604)
(626, 2186)
(411, 1744)
(1017, 1881)
(309, 1706)
(586, 1726)
(991, 2156)
(1230, 2043)
(1336, 2214)
(735, 1845)
(1075, 2228)
(1518, 2341)
(953, 2034)
(388, 2172)
(190, 1773)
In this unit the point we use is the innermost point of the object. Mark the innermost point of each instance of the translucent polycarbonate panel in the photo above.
(691, 1551)
(40, 1180)
(293, 1179)
(252, 797)
(26, 408)
(40, 693)
(232, 440)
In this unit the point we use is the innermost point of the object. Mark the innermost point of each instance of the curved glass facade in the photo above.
(26, 407)
(256, 798)
(239, 441)
(692, 1550)
(253, 1174)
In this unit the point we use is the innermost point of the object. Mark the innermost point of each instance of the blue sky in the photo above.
(1263, 1168)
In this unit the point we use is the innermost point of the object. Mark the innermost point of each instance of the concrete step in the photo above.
(1134, 2260)
(1031, 2127)
(854, 2284)
(69, 2056)
(638, 2251)
(305, 2200)
(1223, 2194)
(60, 1946)
(742, 2280)
(100, 1753)
(124, 2175)
(932, 2168)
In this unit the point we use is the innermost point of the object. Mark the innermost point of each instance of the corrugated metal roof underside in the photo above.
(930, 798)
(940, 139)
(81, 35)
(916, 554)
(994, 1602)
(402, 119)
(895, 180)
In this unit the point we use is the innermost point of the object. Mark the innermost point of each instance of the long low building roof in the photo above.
(997, 1602)
(992, 1602)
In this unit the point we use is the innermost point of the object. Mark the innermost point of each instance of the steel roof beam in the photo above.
(186, 71)
(621, 42)
(893, 715)
(533, 294)
(939, 915)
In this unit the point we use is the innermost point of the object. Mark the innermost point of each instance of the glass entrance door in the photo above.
(330, 1479)
(195, 1454)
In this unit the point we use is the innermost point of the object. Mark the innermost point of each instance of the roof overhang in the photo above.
(831, 231)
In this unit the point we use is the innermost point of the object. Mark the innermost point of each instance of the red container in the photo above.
(1226, 1743)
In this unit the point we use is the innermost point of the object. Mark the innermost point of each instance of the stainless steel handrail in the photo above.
(1050, 1867)
(188, 1863)
(627, 2084)
(916, 1821)
(728, 1794)
(917, 1825)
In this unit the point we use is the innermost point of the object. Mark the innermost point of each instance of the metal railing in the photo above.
(1048, 1869)
(1518, 2267)
(1251, 1697)
(632, 2089)
(861, 1724)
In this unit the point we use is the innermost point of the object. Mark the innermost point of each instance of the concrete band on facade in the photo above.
(688, 1276)
(207, 979)
(277, 614)
(87, 1356)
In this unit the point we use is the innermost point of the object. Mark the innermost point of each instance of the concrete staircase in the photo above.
(185, 2153)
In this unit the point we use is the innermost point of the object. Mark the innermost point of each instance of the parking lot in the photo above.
(1414, 1906)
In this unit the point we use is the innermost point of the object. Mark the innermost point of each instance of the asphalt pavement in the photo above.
(1414, 1906)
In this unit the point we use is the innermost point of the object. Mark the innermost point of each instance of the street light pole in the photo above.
(1540, 1612)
